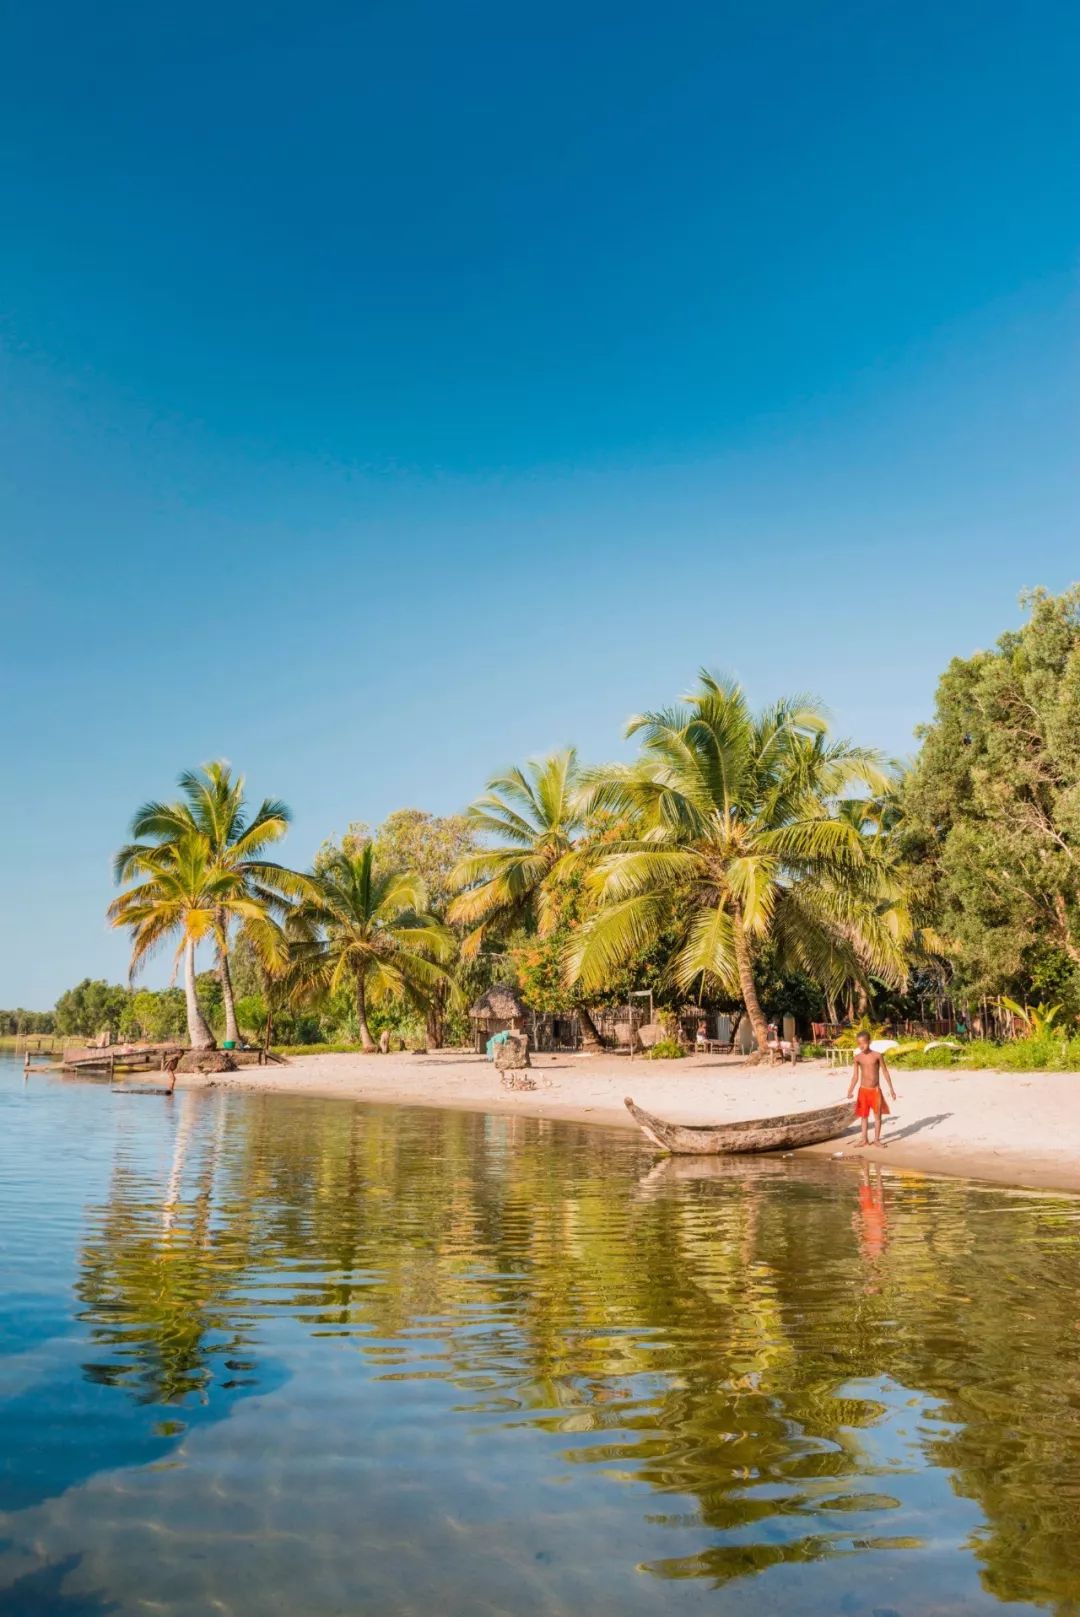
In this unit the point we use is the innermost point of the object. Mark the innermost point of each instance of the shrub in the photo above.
(1049, 1051)
(666, 1050)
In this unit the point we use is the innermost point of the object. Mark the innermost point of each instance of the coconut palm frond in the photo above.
(533, 817)
(642, 870)
(739, 832)
(708, 954)
(612, 936)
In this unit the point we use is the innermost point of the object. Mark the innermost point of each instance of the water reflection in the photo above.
(531, 1370)
(871, 1222)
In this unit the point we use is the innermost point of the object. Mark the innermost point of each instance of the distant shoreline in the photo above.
(1019, 1129)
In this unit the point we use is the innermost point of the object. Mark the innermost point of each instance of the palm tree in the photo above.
(179, 890)
(367, 928)
(536, 814)
(740, 842)
(214, 807)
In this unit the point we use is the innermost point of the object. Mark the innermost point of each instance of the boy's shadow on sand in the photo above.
(912, 1128)
(917, 1127)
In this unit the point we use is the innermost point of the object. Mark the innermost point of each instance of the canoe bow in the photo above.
(784, 1133)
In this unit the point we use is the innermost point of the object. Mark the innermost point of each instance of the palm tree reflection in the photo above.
(729, 1334)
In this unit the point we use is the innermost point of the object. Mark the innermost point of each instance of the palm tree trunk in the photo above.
(749, 987)
(199, 1034)
(436, 1018)
(590, 1033)
(366, 1041)
(227, 999)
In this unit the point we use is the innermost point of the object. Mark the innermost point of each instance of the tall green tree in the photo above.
(533, 819)
(740, 843)
(90, 1007)
(429, 845)
(213, 806)
(368, 929)
(992, 809)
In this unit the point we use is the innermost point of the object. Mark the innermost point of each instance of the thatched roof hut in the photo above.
(501, 1007)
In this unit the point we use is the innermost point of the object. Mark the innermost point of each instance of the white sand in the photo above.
(1016, 1128)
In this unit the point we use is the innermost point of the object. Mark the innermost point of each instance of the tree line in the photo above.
(742, 860)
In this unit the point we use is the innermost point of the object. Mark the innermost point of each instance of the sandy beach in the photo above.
(1012, 1128)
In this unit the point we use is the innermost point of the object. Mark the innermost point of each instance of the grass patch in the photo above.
(1045, 1052)
(666, 1050)
(321, 1050)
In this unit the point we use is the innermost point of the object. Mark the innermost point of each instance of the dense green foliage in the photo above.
(734, 844)
(991, 828)
(366, 930)
(21, 1021)
(154, 1014)
(741, 860)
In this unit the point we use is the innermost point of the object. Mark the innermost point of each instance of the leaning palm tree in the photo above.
(536, 817)
(738, 841)
(367, 929)
(214, 807)
(180, 891)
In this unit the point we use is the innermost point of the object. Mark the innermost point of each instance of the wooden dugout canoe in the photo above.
(784, 1133)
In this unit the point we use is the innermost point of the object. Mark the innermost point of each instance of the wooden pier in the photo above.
(107, 1060)
(112, 1060)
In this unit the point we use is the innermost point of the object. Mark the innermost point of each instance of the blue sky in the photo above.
(391, 392)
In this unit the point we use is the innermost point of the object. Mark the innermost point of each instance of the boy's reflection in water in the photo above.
(870, 1222)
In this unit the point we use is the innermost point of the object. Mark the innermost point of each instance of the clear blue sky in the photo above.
(394, 391)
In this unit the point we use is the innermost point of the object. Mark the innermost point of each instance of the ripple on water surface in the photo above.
(269, 1355)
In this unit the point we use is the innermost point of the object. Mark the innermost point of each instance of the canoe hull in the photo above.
(785, 1133)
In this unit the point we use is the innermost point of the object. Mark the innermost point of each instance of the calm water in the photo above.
(260, 1355)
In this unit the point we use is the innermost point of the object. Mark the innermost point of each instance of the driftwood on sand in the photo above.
(783, 1133)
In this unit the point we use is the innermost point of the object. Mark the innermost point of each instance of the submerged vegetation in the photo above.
(743, 861)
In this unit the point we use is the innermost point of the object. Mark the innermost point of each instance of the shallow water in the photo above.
(262, 1354)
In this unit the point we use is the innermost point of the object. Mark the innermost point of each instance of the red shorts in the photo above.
(870, 1100)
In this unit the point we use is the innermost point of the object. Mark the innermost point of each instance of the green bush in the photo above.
(1046, 1052)
(812, 1052)
(1049, 1051)
(666, 1050)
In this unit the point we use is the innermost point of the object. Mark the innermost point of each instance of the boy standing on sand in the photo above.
(867, 1072)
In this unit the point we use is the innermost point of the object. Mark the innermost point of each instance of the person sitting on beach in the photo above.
(868, 1070)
